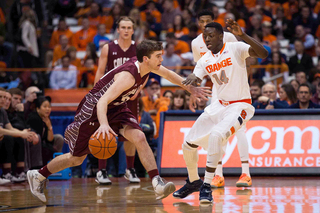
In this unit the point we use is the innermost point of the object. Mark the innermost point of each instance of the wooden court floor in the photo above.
(268, 194)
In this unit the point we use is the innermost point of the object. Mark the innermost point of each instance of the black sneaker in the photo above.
(188, 188)
(205, 195)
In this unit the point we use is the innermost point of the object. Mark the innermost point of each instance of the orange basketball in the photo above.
(102, 148)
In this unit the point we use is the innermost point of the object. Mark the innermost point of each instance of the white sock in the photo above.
(208, 176)
(219, 170)
(242, 143)
(191, 157)
(245, 168)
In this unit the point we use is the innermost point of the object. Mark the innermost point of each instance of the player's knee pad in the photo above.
(214, 143)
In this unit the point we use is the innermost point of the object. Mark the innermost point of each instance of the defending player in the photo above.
(199, 48)
(226, 66)
(113, 55)
(104, 111)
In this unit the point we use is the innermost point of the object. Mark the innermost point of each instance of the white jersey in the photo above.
(199, 47)
(227, 70)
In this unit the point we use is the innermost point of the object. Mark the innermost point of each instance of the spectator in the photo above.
(281, 26)
(302, 78)
(111, 21)
(300, 61)
(64, 76)
(306, 19)
(100, 39)
(168, 94)
(255, 24)
(94, 17)
(306, 38)
(179, 46)
(60, 50)
(85, 10)
(254, 73)
(147, 33)
(39, 120)
(7, 101)
(65, 8)
(61, 30)
(193, 33)
(28, 46)
(179, 100)
(290, 7)
(91, 53)
(304, 96)
(316, 97)
(169, 12)
(242, 10)
(259, 37)
(7, 143)
(255, 90)
(87, 74)
(72, 53)
(179, 28)
(269, 100)
(15, 111)
(202, 104)
(151, 102)
(268, 38)
(295, 85)
(151, 12)
(188, 18)
(84, 36)
(170, 59)
(134, 14)
(283, 68)
(275, 47)
(30, 105)
(288, 94)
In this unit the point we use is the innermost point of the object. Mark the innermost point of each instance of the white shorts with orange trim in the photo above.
(223, 120)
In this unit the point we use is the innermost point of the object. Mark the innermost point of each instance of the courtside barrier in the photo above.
(281, 142)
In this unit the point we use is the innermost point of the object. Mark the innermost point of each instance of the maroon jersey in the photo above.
(117, 57)
(108, 79)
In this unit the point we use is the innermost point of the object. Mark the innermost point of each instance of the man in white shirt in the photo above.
(229, 112)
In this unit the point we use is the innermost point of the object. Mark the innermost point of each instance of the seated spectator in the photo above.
(60, 50)
(281, 26)
(316, 97)
(193, 33)
(307, 39)
(84, 36)
(169, 12)
(91, 53)
(94, 17)
(170, 59)
(295, 85)
(64, 76)
(269, 100)
(134, 14)
(179, 28)
(301, 60)
(304, 98)
(72, 53)
(31, 95)
(179, 46)
(100, 39)
(85, 10)
(255, 90)
(65, 8)
(147, 32)
(254, 24)
(188, 18)
(11, 148)
(283, 68)
(179, 100)
(87, 74)
(268, 38)
(41, 123)
(61, 30)
(152, 11)
(288, 94)
(306, 19)
(115, 13)
(168, 94)
(301, 77)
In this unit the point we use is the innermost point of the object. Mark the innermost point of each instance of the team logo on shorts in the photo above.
(134, 120)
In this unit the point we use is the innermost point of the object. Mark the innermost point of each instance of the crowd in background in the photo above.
(289, 77)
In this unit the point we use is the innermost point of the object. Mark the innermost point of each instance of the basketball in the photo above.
(102, 148)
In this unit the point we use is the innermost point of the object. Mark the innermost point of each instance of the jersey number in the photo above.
(223, 78)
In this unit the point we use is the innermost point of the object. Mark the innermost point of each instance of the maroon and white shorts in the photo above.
(86, 122)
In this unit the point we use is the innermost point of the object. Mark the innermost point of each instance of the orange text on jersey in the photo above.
(216, 67)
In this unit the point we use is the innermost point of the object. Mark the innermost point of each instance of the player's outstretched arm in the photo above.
(102, 63)
(256, 50)
(192, 79)
(122, 82)
(200, 92)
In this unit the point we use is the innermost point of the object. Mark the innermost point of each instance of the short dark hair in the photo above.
(147, 47)
(205, 13)
(65, 56)
(215, 25)
(170, 35)
(304, 85)
(193, 27)
(258, 83)
(15, 91)
(41, 99)
(3, 89)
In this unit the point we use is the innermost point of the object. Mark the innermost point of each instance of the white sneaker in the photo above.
(4, 181)
(7, 176)
(131, 176)
(19, 178)
(37, 186)
(162, 189)
(102, 177)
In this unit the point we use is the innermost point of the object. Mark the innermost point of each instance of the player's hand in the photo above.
(192, 79)
(104, 130)
(193, 103)
(200, 92)
(234, 27)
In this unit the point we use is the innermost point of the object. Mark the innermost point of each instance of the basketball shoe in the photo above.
(18, 178)
(205, 195)
(102, 177)
(162, 189)
(36, 185)
(4, 181)
(217, 182)
(244, 181)
(131, 176)
(188, 188)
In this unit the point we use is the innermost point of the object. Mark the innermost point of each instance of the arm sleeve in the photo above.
(242, 49)
(229, 37)
(199, 71)
(24, 34)
(309, 41)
